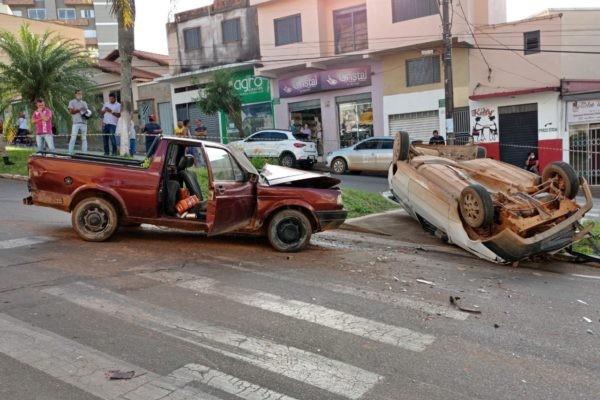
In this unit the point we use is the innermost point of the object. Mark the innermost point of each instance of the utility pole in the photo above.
(448, 85)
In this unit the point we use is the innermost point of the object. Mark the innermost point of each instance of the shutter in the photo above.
(304, 105)
(419, 125)
(165, 118)
(518, 133)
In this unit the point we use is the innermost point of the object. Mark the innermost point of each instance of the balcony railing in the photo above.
(76, 22)
(19, 2)
(77, 2)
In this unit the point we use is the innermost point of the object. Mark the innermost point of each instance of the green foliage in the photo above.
(586, 246)
(19, 156)
(219, 95)
(125, 11)
(259, 162)
(359, 203)
(45, 66)
(9, 128)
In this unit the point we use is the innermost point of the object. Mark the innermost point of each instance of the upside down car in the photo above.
(492, 209)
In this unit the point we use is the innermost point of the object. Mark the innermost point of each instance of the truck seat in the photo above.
(188, 177)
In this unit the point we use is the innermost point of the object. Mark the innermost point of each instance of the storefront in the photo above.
(583, 119)
(334, 106)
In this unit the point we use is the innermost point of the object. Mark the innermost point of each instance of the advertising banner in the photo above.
(334, 79)
(252, 89)
(583, 111)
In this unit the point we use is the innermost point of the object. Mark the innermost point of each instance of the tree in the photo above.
(45, 66)
(124, 11)
(219, 95)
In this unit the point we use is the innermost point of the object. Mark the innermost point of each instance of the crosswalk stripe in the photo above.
(22, 242)
(384, 333)
(313, 369)
(393, 299)
(84, 367)
(226, 383)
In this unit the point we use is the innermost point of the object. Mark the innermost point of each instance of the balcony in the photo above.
(19, 2)
(75, 22)
(78, 2)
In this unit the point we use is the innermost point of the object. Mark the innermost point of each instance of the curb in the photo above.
(14, 177)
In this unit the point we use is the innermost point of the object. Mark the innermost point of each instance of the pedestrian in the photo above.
(436, 138)
(200, 131)
(3, 152)
(306, 131)
(532, 164)
(79, 115)
(111, 111)
(42, 120)
(179, 129)
(151, 130)
(130, 132)
(186, 128)
(22, 128)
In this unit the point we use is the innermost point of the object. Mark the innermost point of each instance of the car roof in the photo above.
(274, 130)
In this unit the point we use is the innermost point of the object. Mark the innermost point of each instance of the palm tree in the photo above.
(219, 95)
(45, 66)
(124, 11)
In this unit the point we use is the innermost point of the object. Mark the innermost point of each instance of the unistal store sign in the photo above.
(334, 79)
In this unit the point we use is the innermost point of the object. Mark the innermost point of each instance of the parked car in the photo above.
(372, 154)
(188, 184)
(492, 209)
(291, 149)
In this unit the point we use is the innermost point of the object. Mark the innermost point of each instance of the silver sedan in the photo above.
(372, 154)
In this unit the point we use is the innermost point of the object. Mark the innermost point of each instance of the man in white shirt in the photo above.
(22, 128)
(77, 109)
(111, 111)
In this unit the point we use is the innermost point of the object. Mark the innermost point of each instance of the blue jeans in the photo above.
(149, 142)
(132, 144)
(109, 133)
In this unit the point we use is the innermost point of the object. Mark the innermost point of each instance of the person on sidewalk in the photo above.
(79, 113)
(111, 111)
(131, 136)
(436, 138)
(151, 130)
(22, 128)
(42, 120)
(200, 132)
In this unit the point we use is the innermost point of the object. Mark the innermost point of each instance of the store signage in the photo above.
(334, 79)
(250, 88)
(583, 111)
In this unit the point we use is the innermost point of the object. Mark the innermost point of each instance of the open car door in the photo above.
(232, 195)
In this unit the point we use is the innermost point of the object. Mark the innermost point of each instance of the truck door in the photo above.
(232, 197)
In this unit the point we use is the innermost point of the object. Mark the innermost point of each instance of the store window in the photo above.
(356, 119)
(255, 117)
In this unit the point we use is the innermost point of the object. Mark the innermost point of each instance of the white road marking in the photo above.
(587, 276)
(26, 241)
(393, 299)
(226, 383)
(341, 321)
(84, 367)
(313, 369)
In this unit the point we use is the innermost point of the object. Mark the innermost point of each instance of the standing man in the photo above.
(78, 108)
(42, 119)
(436, 138)
(22, 128)
(200, 131)
(111, 111)
(152, 130)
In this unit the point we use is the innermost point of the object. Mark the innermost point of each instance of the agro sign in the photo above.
(334, 79)
(250, 88)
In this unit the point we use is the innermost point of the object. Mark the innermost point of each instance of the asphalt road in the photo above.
(355, 316)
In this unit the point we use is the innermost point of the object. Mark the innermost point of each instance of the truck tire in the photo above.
(289, 231)
(94, 219)
(287, 160)
(401, 146)
(476, 206)
(565, 178)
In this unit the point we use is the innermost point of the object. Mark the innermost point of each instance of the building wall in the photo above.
(106, 29)
(580, 33)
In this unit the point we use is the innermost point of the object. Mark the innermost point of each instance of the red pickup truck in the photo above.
(187, 184)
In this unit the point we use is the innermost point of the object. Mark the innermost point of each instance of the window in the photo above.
(350, 27)
(191, 38)
(368, 145)
(386, 144)
(66, 13)
(89, 33)
(17, 13)
(36, 13)
(231, 30)
(224, 168)
(87, 14)
(423, 71)
(531, 42)
(288, 30)
(404, 10)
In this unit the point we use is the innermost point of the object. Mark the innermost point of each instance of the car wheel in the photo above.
(338, 166)
(287, 160)
(289, 231)
(401, 146)
(476, 206)
(564, 176)
(94, 219)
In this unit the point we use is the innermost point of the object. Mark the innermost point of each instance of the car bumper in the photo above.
(331, 219)
(308, 159)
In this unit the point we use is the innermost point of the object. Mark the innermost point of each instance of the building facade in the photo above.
(93, 17)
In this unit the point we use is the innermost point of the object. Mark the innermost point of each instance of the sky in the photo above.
(151, 35)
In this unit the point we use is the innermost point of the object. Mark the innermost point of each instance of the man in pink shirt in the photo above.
(42, 119)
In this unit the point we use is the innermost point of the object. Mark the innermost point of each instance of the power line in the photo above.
(475, 39)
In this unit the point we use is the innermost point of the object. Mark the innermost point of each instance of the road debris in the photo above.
(395, 278)
(482, 290)
(586, 319)
(582, 302)
(115, 374)
(591, 332)
(425, 282)
(496, 326)
(455, 300)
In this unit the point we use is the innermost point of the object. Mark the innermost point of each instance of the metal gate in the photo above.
(419, 125)
(165, 118)
(518, 132)
(584, 151)
(192, 112)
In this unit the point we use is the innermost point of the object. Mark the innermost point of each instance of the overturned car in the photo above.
(492, 209)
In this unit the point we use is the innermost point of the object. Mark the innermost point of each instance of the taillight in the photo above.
(299, 145)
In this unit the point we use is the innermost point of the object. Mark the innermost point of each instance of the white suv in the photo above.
(291, 149)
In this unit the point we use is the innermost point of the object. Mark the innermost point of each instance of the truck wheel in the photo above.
(289, 231)
(564, 176)
(94, 219)
(338, 166)
(476, 206)
(401, 146)
(287, 160)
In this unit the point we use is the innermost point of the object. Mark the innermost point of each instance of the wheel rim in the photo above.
(94, 219)
(472, 207)
(287, 161)
(289, 230)
(338, 166)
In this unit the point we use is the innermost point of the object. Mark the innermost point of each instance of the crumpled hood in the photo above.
(274, 175)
